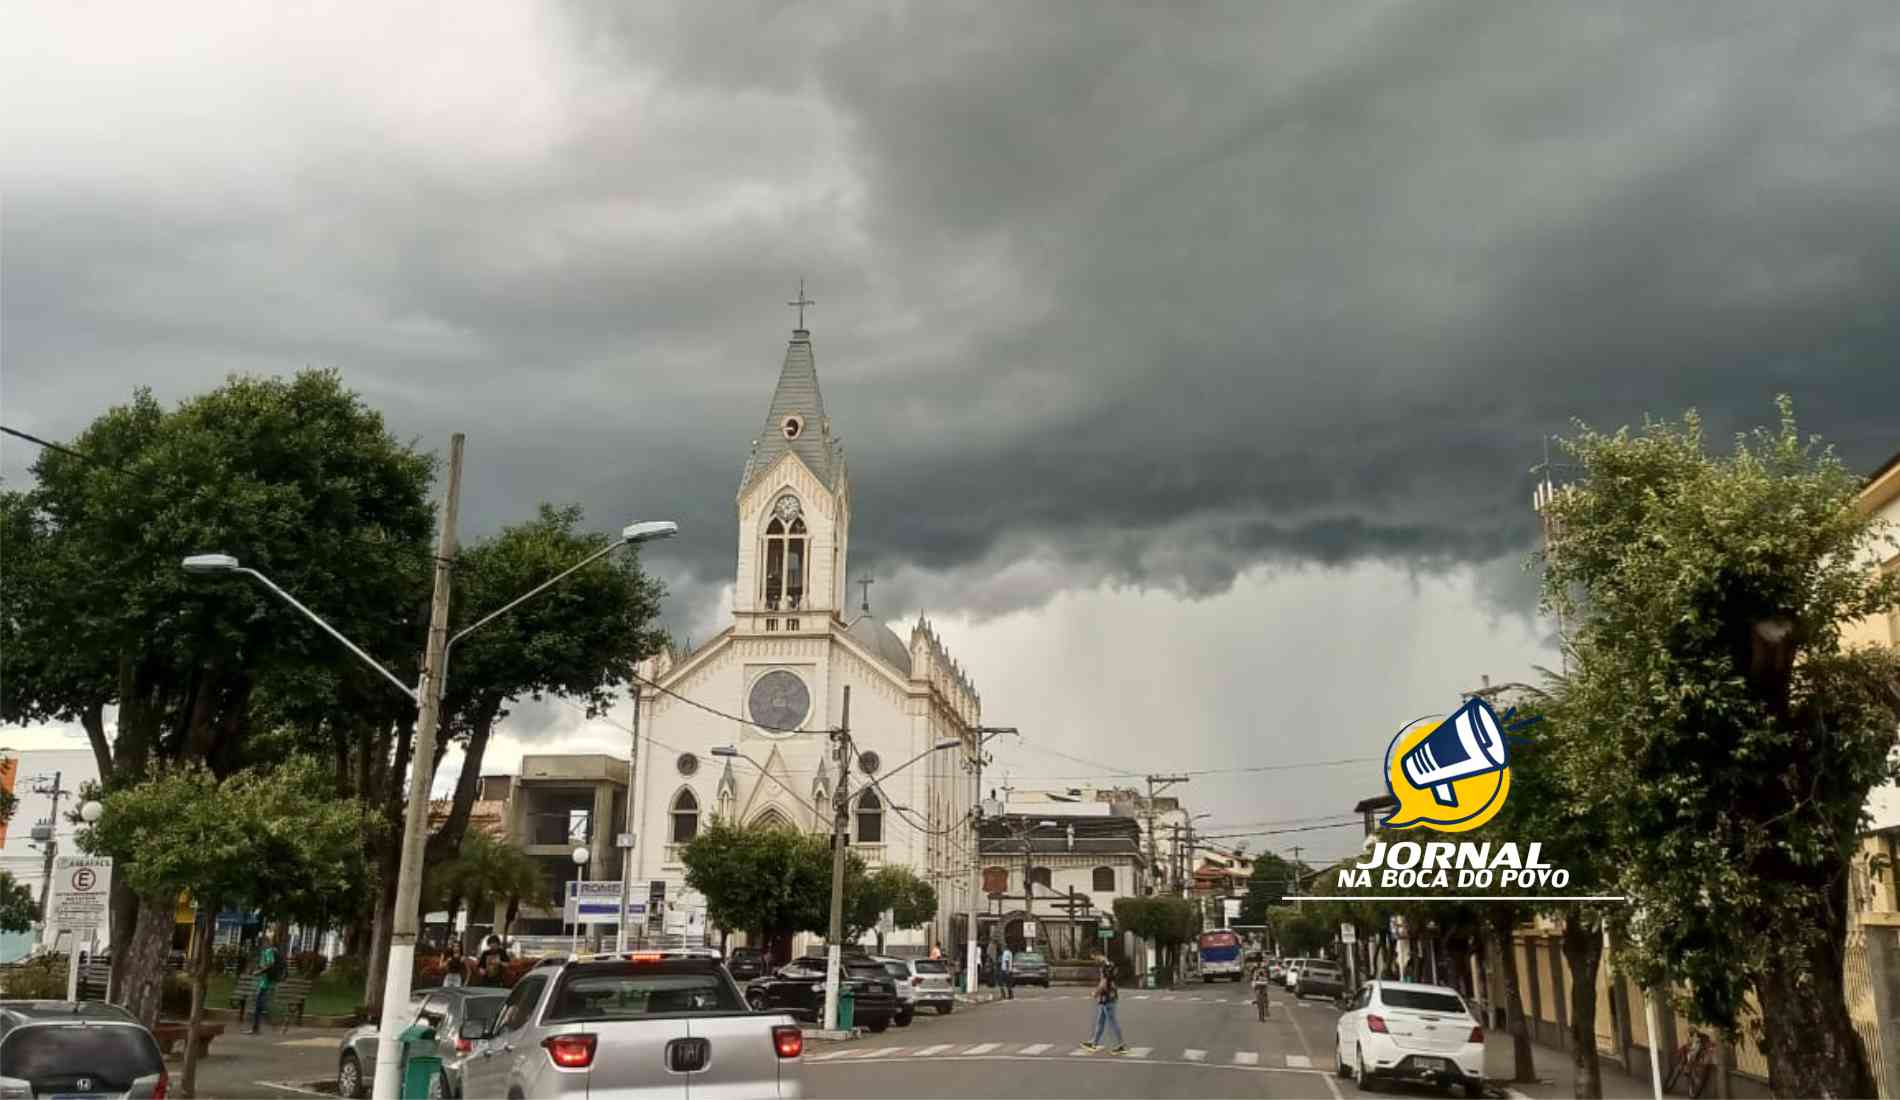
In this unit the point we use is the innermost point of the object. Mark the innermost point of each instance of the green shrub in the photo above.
(42, 978)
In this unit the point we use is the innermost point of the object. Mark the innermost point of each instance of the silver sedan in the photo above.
(441, 1009)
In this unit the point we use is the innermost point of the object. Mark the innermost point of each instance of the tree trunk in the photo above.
(125, 915)
(150, 944)
(446, 841)
(1810, 1042)
(1503, 922)
(200, 970)
(1583, 950)
(382, 930)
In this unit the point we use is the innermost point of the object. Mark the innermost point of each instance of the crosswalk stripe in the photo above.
(879, 1052)
(1139, 1052)
(1246, 1058)
(1193, 1055)
(925, 1052)
(1083, 1051)
(1142, 997)
(830, 1054)
(1298, 1061)
(1037, 1048)
(982, 1048)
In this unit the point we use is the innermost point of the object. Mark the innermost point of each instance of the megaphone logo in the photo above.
(1450, 774)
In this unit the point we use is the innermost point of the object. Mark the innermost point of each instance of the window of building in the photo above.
(1040, 876)
(771, 624)
(685, 817)
(791, 624)
(785, 556)
(870, 819)
(1104, 880)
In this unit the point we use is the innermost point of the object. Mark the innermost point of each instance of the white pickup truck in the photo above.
(644, 1024)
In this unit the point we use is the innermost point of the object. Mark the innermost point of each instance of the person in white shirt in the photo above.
(1004, 975)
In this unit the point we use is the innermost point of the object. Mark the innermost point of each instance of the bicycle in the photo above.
(1260, 999)
(1691, 1064)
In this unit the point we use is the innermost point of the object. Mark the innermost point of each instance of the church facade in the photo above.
(772, 686)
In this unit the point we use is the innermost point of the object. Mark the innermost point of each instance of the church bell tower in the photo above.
(794, 506)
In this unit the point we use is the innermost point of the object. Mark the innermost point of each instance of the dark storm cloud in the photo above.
(1142, 295)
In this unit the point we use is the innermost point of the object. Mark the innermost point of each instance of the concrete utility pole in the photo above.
(1156, 784)
(840, 839)
(626, 858)
(973, 952)
(402, 940)
(52, 849)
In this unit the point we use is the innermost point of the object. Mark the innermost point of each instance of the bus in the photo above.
(1220, 955)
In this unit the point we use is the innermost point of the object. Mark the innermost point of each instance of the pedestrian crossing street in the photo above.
(1237, 1059)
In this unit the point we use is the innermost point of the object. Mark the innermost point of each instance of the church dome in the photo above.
(883, 641)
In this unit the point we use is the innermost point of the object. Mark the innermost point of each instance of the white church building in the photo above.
(772, 686)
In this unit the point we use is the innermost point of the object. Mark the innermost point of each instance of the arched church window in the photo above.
(1040, 876)
(685, 817)
(1104, 880)
(870, 819)
(786, 555)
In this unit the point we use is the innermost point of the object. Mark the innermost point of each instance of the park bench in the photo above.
(170, 1033)
(286, 999)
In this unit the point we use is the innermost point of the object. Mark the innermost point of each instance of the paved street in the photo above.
(1191, 1042)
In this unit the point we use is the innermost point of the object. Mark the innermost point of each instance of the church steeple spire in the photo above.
(796, 420)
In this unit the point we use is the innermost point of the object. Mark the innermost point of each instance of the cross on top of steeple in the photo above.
(800, 303)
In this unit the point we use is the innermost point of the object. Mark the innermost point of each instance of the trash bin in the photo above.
(421, 1064)
(847, 1009)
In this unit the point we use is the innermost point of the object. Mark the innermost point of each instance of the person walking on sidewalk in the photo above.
(1004, 973)
(1105, 997)
(270, 970)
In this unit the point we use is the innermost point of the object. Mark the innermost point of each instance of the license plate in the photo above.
(1435, 1064)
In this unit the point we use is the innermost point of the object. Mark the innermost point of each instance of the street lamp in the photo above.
(402, 948)
(982, 736)
(580, 862)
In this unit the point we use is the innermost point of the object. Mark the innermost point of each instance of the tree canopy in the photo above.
(1732, 740)
(580, 639)
(275, 840)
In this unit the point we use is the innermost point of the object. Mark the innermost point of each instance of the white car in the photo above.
(1404, 1031)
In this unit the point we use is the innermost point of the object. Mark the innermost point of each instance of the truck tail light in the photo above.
(570, 1051)
(1376, 1023)
(463, 1046)
(789, 1042)
(165, 1079)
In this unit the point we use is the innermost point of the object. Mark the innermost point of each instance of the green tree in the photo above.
(1733, 736)
(1274, 877)
(1166, 922)
(580, 639)
(910, 900)
(296, 477)
(270, 840)
(769, 882)
(485, 871)
(17, 910)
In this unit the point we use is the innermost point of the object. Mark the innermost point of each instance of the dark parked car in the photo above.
(441, 1009)
(1029, 968)
(746, 964)
(799, 988)
(85, 1048)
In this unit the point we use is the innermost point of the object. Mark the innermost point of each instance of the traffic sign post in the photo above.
(1349, 935)
(80, 906)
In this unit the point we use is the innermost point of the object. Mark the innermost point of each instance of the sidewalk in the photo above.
(1556, 1077)
(238, 1062)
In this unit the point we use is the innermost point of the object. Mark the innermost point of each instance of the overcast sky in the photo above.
(1190, 359)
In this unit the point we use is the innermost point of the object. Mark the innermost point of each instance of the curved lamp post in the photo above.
(401, 955)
